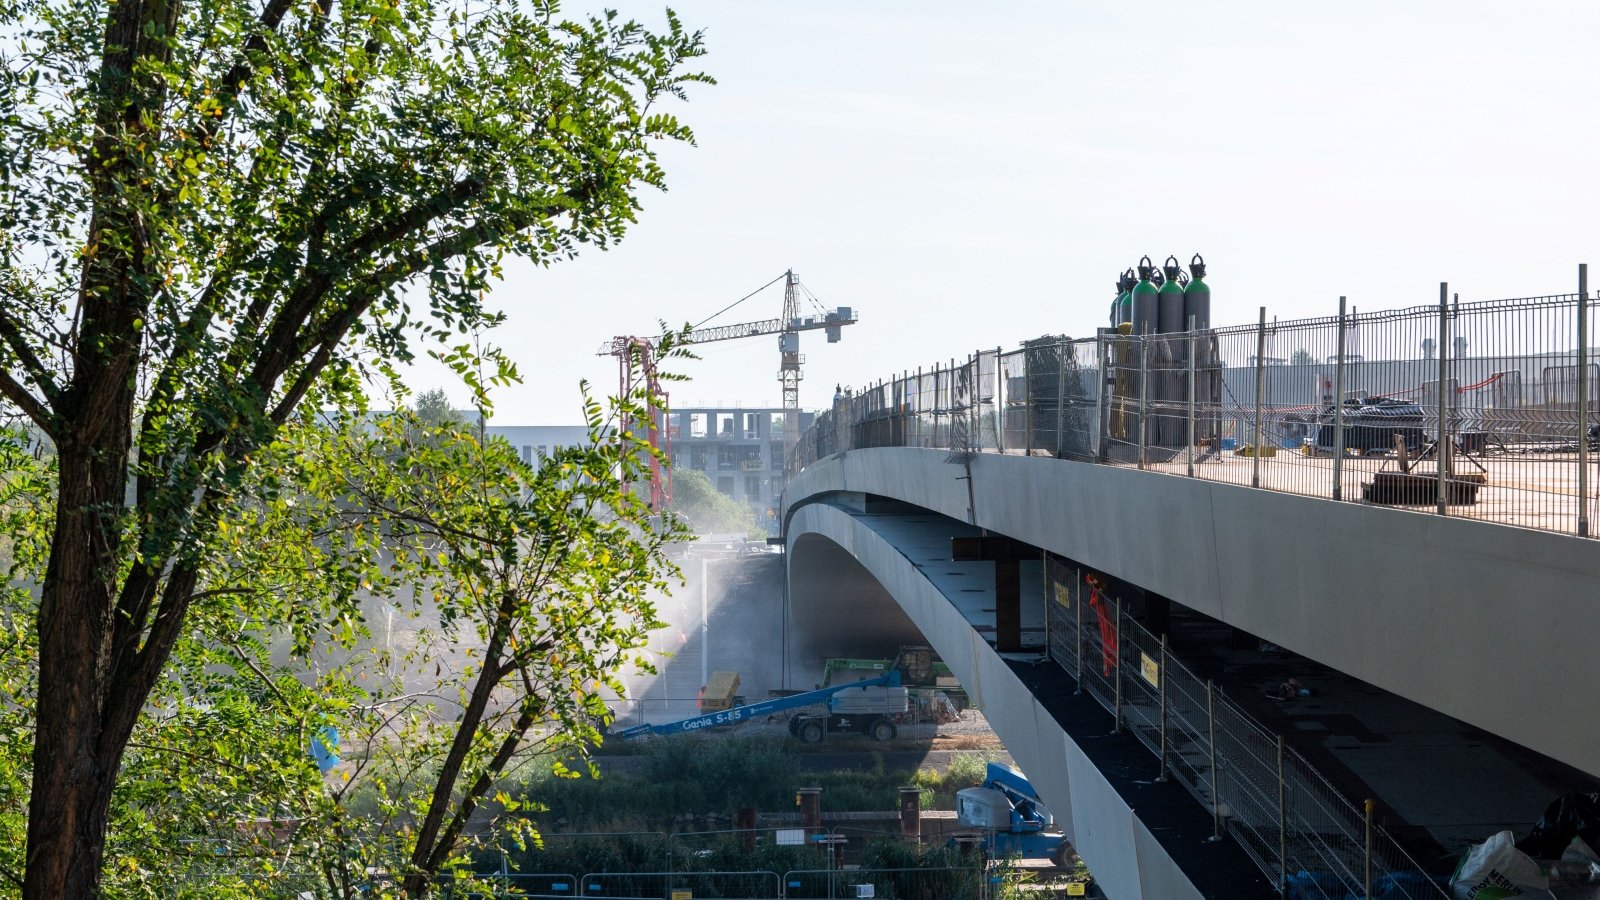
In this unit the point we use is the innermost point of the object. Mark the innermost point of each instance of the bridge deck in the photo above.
(1529, 490)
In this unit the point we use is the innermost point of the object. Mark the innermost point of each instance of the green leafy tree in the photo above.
(1301, 357)
(706, 509)
(209, 209)
(545, 576)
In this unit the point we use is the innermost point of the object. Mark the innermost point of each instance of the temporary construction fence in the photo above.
(974, 882)
(1464, 409)
(1307, 837)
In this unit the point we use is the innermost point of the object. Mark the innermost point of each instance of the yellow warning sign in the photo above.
(1077, 889)
(1150, 669)
(1063, 595)
(682, 895)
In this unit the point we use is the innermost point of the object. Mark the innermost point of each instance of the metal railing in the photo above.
(974, 882)
(1464, 409)
(1304, 834)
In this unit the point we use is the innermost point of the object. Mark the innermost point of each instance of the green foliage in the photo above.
(706, 509)
(209, 213)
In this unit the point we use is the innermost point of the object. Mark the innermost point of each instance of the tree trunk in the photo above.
(74, 770)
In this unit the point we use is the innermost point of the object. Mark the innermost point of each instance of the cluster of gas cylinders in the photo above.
(1164, 301)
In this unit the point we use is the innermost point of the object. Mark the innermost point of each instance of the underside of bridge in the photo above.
(1382, 611)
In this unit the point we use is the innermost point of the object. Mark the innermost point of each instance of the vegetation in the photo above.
(704, 778)
(215, 215)
(707, 510)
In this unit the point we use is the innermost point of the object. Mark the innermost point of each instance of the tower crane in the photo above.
(632, 352)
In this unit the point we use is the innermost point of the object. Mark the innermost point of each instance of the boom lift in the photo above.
(1012, 819)
(863, 706)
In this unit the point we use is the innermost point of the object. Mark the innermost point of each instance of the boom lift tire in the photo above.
(882, 730)
(811, 732)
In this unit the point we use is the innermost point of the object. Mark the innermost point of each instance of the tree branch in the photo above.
(29, 404)
(31, 363)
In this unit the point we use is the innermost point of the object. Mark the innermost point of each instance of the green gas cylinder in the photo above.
(1197, 296)
(1144, 297)
(1169, 317)
(1124, 317)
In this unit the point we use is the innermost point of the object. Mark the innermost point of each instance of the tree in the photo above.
(545, 575)
(706, 509)
(1302, 357)
(207, 211)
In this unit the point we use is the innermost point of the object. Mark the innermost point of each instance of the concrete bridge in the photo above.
(1489, 624)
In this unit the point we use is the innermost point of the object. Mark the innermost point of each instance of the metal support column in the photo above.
(1440, 452)
(1191, 396)
(1144, 396)
(1338, 408)
(1283, 824)
(1116, 656)
(1366, 873)
(1161, 685)
(1583, 400)
(1261, 386)
(1216, 773)
(1077, 638)
(1102, 374)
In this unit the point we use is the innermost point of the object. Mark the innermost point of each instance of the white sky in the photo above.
(970, 175)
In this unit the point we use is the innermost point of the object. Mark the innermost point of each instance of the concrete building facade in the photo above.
(740, 450)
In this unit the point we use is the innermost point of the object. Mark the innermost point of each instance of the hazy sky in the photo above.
(970, 175)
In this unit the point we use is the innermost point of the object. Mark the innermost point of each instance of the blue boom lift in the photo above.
(862, 706)
(1012, 819)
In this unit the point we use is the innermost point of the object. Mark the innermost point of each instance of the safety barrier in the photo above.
(1303, 834)
(1462, 409)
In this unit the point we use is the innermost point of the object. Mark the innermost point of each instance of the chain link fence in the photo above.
(1298, 828)
(1483, 410)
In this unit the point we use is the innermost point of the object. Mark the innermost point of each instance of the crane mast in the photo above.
(787, 327)
(789, 364)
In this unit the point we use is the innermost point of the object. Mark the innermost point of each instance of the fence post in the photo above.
(1261, 386)
(1583, 400)
(1116, 657)
(1440, 454)
(975, 403)
(1161, 681)
(1077, 638)
(1101, 365)
(1191, 396)
(1216, 773)
(1144, 396)
(1366, 875)
(1338, 409)
(1283, 824)
(1027, 403)
(1061, 390)
(999, 404)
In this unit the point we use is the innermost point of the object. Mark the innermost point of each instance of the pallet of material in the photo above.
(1421, 489)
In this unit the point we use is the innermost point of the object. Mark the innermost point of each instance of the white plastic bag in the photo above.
(1496, 869)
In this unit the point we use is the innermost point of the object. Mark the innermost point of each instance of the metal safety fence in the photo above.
(1305, 835)
(974, 882)
(1487, 410)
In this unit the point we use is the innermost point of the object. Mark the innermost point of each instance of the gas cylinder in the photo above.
(1124, 322)
(1197, 296)
(1169, 320)
(1144, 299)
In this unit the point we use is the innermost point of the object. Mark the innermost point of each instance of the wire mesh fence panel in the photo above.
(894, 884)
(1140, 658)
(1063, 596)
(744, 885)
(1188, 732)
(1248, 783)
(1098, 644)
(1325, 832)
